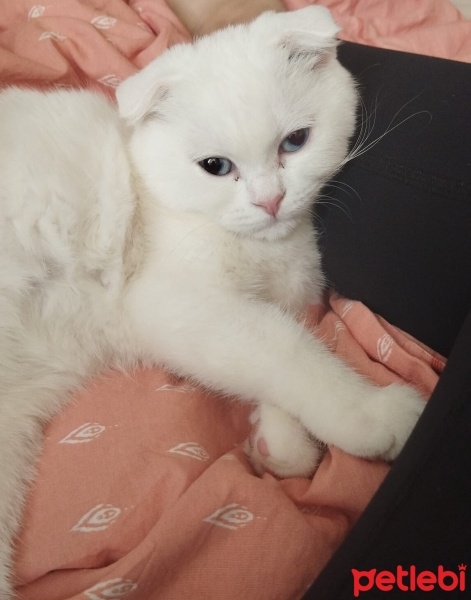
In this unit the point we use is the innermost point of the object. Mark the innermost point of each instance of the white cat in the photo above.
(177, 230)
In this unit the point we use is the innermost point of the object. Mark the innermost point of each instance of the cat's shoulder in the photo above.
(65, 178)
(29, 102)
(59, 132)
(44, 116)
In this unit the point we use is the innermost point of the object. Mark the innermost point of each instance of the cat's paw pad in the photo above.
(284, 448)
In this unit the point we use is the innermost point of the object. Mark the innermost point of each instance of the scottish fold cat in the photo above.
(176, 229)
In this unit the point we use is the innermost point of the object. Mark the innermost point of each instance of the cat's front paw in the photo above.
(280, 445)
(398, 410)
(383, 423)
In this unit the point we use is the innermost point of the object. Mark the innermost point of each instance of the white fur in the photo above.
(117, 247)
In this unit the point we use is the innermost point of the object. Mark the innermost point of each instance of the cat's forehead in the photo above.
(268, 71)
(241, 87)
(236, 64)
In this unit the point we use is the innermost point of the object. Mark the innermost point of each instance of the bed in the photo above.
(143, 489)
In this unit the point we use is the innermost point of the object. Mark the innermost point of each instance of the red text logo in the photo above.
(409, 580)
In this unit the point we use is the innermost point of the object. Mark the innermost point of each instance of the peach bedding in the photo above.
(143, 491)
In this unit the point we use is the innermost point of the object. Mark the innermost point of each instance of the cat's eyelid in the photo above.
(297, 127)
(289, 146)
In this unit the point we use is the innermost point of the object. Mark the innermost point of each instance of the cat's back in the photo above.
(66, 193)
(54, 136)
(66, 213)
(59, 112)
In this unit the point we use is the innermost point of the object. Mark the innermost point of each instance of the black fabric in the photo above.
(397, 234)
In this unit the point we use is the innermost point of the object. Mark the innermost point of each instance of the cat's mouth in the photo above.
(271, 228)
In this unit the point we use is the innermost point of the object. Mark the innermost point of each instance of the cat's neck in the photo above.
(190, 247)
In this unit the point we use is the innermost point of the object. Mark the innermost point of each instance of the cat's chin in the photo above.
(271, 231)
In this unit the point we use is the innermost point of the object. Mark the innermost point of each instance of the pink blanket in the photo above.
(143, 491)
(83, 42)
(431, 27)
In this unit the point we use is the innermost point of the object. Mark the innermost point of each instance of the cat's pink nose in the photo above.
(272, 205)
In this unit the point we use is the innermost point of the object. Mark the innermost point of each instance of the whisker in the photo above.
(190, 233)
(335, 203)
(361, 146)
(367, 124)
(334, 183)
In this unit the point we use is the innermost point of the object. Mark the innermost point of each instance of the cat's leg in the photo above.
(254, 350)
(280, 444)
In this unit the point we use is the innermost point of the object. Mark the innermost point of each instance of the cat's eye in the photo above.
(295, 141)
(216, 165)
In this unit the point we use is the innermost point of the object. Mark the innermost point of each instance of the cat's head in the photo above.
(244, 126)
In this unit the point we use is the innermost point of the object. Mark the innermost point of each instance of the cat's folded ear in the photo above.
(309, 32)
(141, 94)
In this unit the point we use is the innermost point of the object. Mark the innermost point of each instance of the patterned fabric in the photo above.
(82, 42)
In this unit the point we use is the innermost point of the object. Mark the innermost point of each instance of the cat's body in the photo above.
(118, 246)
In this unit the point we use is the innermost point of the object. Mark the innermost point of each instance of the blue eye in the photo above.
(295, 141)
(216, 166)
